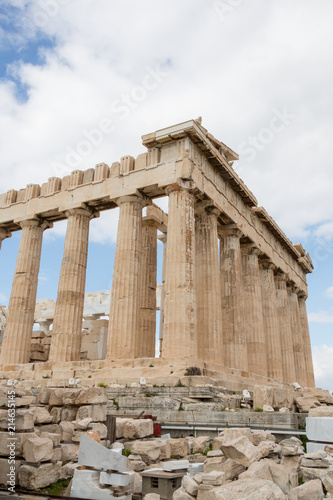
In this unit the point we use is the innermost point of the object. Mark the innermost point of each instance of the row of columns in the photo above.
(232, 308)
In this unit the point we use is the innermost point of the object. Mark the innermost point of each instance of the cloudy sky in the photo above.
(259, 73)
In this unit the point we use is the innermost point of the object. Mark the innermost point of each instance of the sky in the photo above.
(259, 73)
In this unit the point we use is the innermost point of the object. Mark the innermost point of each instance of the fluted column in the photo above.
(253, 311)
(124, 323)
(4, 234)
(234, 335)
(179, 339)
(68, 313)
(208, 288)
(147, 332)
(282, 302)
(21, 309)
(306, 339)
(271, 321)
(297, 337)
(163, 238)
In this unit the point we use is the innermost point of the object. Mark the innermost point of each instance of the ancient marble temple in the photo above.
(234, 289)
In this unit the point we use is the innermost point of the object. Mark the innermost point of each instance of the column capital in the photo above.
(186, 186)
(134, 198)
(250, 249)
(85, 211)
(206, 207)
(36, 222)
(281, 276)
(292, 287)
(302, 295)
(4, 234)
(230, 230)
(267, 264)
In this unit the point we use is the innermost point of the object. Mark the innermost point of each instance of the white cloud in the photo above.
(321, 317)
(236, 77)
(329, 292)
(3, 299)
(323, 367)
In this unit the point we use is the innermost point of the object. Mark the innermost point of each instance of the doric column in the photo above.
(68, 313)
(124, 323)
(297, 337)
(253, 311)
(271, 320)
(4, 234)
(21, 309)
(163, 239)
(208, 288)
(147, 332)
(306, 339)
(234, 335)
(282, 302)
(179, 339)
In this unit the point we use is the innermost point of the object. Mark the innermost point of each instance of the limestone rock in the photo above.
(201, 444)
(323, 396)
(165, 448)
(66, 431)
(60, 397)
(93, 395)
(214, 454)
(304, 404)
(214, 464)
(137, 429)
(179, 447)
(259, 436)
(55, 438)
(33, 478)
(24, 420)
(268, 408)
(151, 496)
(149, 451)
(291, 462)
(96, 412)
(242, 451)
(83, 424)
(321, 411)
(266, 448)
(217, 443)
(213, 478)
(190, 485)
(318, 459)
(269, 470)
(21, 437)
(312, 490)
(181, 494)
(247, 489)
(69, 452)
(234, 433)
(232, 469)
(325, 475)
(42, 416)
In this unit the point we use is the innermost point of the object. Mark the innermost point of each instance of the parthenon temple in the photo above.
(234, 289)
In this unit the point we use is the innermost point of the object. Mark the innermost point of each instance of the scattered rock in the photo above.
(242, 451)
